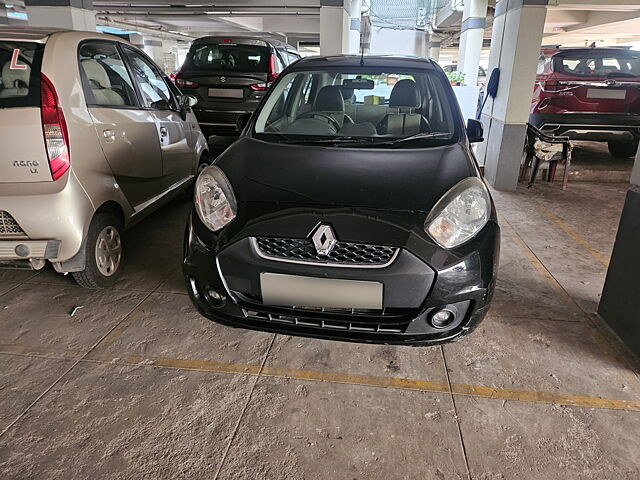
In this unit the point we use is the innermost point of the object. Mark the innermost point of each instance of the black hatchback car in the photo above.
(229, 76)
(350, 208)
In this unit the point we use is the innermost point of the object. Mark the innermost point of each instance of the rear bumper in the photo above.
(599, 127)
(220, 120)
(413, 290)
(52, 218)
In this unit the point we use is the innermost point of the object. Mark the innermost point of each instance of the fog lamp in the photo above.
(442, 318)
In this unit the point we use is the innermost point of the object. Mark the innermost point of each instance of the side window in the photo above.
(106, 80)
(155, 92)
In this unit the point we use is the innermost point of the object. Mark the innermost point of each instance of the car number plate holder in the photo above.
(607, 93)
(300, 291)
(226, 92)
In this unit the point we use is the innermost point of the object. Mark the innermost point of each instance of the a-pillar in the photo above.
(67, 14)
(620, 302)
(474, 19)
(515, 47)
(336, 25)
(435, 43)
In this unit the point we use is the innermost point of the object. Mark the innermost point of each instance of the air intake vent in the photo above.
(9, 227)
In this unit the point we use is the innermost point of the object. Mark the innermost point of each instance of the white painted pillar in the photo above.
(435, 42)
(68, 14)
(334, 27)
(474, 18)
(515, 48)
(354, 11)
(154, 48)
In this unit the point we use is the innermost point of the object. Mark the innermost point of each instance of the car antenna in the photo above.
(361, 55)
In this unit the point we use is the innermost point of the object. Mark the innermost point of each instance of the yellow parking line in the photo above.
(603, 259)
(529, 396)
(377, 381)
(534, 261)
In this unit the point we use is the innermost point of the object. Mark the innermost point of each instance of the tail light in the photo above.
(56, 137)
(258, 87)
(272, 69)
(182, 83)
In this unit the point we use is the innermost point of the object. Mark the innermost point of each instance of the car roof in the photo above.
(588, 50)
(243, 40)
(34, 34)
(384, 61)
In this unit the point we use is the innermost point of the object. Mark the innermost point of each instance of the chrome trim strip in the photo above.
(257, 251)
(582, 126)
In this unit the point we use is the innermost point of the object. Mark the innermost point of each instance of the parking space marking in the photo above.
(527, 396)
(599, 256)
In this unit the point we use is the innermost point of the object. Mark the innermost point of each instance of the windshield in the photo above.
(20, 74)
(356, 107)
(599, 64)
(228, 57)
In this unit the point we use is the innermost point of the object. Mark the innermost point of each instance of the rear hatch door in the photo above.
(24, 156)
(598, 81)
(224, 71)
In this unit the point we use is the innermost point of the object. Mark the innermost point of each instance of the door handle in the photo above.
(163, 131)
(109, 135)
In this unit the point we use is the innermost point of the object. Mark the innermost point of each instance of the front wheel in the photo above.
(104, 252)
(623, 149)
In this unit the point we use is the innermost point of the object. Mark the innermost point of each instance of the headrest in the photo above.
(11, 75)
(405, 93)
(96, 72)
(329, 99)
(347, 93)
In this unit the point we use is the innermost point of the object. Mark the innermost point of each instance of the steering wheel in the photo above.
(332, 121)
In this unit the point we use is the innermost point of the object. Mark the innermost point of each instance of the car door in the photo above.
(126, 130)
(174, 132)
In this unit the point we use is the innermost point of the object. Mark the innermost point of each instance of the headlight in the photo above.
(215, 202)
(460, 214)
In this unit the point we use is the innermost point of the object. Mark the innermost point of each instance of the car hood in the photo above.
(397, 179)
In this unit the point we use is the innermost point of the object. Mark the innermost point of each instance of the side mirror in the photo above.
(186, 102)
(242, 121)
(475, 132)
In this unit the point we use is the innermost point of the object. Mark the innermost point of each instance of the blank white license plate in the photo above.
(610, 94)
(226, 92)
(294, 290)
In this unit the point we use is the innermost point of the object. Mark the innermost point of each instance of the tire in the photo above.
(102, 270)
(623, 149)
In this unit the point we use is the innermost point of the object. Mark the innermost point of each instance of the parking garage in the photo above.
(128, 379)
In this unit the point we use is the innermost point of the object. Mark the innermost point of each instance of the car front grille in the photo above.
(9, 227)
(343, 253)
(337, 325)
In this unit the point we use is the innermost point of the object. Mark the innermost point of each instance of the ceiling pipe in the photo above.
(152, 31)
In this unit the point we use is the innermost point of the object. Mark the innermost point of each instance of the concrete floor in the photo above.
(137, 385)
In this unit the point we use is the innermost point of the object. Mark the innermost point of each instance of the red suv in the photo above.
(589, 94)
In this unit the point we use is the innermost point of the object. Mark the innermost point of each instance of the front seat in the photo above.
(331, 102)
(405, 97)
(16, 81)
(100, 83)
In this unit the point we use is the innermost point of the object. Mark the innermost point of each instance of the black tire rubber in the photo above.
(623, 149)
(91, 277)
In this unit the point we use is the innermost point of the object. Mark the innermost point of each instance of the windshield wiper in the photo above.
(370, 141)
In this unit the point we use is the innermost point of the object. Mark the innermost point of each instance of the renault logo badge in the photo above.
(223, 79)
(323, 239)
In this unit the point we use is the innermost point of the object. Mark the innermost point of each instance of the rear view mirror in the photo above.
(358, 83)
(475, 132)
(242, 121)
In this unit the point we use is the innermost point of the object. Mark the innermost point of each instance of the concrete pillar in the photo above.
(354, 11)
(620, 303)
(334, 27)
(474, 18)
(515, 48)
(69, 14)
(435, 42)
(154, 48)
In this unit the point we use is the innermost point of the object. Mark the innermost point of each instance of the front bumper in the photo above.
(598, 127)
(422, 279)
